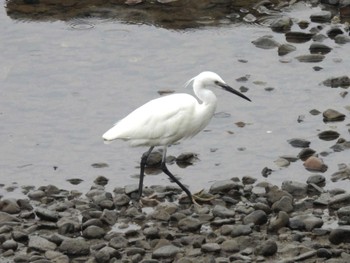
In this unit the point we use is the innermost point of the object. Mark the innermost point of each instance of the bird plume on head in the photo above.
(207, 77)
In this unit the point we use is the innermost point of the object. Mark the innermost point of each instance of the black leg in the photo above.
(144, 159)
(172, 177)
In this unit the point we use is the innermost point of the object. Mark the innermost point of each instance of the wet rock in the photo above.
(308, 222)
(9, 244)
(305, 153)
(341, 39)
(266, 42)
(324, 253)
(257, 217)
(93, 232)
(315, 164)
(319, 48)
(46, 214)
(341, 174)
(332, 115)
(20, 236)
(40, 244)
(274, 194)
(223, 186)
(7, 219)
(210, 247)
(74, 247)
(230, 246)
(317, 179)
(339, 201)
(298, 37)
(333, 32)
(328, 135)
(299, 143)
(281, 162)
(131, 188)
(310, 58)
(189, 224)
(10, 206)
(240, 230)
(118, 242)
(266, 249)
(321, 17)
(186, 158)
(36, 195)
(285, 49)
(296, 189)
(101, 180)
(281, 25)
(278, 222)
(344, 215)
(223, 212)
(340, 235)
(106, 254)
(166, 252)
(121, 200)
(334, 82)
(284, 204)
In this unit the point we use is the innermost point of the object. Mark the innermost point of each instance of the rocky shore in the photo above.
(237, 221)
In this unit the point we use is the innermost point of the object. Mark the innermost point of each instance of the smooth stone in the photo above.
(321, 17)
(341, 39)
(334, 82)
(131, 188)
(109, 217)
(20, 236)
(324, 253)
(285, 49)
(105, 254)
(266, 42)
(10, 206)
(9, 244)
(46, 214)
(223, 212)
(93, 232)
(328, 135)
(281, 25)
(310, 58)
(315, 164)
(210, 247)
(118, 242)
(309, 222)
(333, 32)
(189, 224)
(40, 244)
(101, 180)
(278, 222)
(298, 37)
(275, 194)
(319, 48)
(223, 186)
(121, 200)
(332, 115)
(266, 249)
(36, 194)
(151, 232)
(340, 235)
(74, 247)
(317, 179)
(344, 215)
(166, 252)
(305, 153)
(257, 217)
(281, 162)
(240, 230)
(338, 201)
(299, 143)
(230, 246)
(284, 204)
(296, 189)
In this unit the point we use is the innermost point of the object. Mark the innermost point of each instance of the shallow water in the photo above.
(64, 83)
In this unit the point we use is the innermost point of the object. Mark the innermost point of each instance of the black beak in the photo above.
(229, 89)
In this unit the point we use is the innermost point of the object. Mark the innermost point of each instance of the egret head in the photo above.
(209, 79)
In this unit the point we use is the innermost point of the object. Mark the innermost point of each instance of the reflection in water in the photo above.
(168, 14)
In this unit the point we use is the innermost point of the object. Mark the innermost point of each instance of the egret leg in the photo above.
(144, 159)
(172, 177)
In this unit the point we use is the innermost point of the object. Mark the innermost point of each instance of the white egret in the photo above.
(166, 120)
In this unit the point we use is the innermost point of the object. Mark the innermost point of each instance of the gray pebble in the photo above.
(189, 224)
(93, 232)
(9, 244)
(46, 214)
(118, 242)
(223, 186)
(41, 244)
(166, 252)
(10, 206)
(74, 247)
(210, 247)
(266, 42)
(321, 16)
(339, 235)
(278, 222)
(267, 248)
(257, 217)
(222, 211)
(284, 204)
(295, 188)
(282, 24)
(300, 143)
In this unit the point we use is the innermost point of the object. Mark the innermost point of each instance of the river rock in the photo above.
(105, 254)
(223, 186)
(40, 244)
(9, 244)
(230, 246)
(274, 194)
(240, 230)
(166, 252)
(295, 188)
(334, 82)
(310, 58)
(93, 232)
(319, 48)
(189, 224)
(46, 214)
(222, 211)
(10, 206)
(305, 153)
(341, 39)
(299, 143)
(118, 242)
(315, 164)
(278, 222)
(266, 249)
(74, 247)
(328, 135)
(211, 247)
(340, 200)
(282, 24)
(340, 235)
(284, 204)
(317, 179)
(332, 115)
(321, 17)
(257, 217)
(266, 42)
(298, 37)
(285, 49)
(334, 31)
(344, 215)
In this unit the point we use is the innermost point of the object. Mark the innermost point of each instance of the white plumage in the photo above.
(166, 120)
